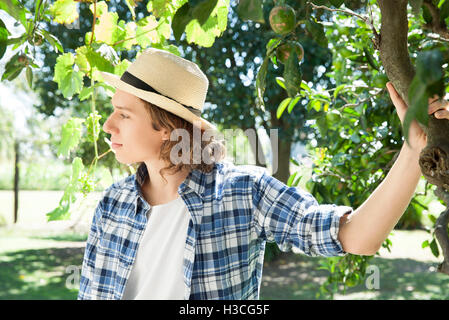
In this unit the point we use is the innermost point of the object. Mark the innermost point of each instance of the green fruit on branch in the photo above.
(282, 19)
(38, 40)
(22, 59)
(283, 51)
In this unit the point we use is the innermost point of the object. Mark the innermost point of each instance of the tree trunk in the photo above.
(256, 146)
(434, 158)
(281, 158)
(16, 180)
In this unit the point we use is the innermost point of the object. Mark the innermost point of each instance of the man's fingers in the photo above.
(437, 105)
(401, 106)
(442, 114)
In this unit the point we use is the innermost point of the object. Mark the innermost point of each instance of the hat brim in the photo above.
(158, 100)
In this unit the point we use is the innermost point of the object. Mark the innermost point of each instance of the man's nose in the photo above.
(108, 126)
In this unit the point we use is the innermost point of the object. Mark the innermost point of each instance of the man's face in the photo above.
(134, 138)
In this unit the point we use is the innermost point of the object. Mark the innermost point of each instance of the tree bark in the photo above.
(16, 181)
(394, 45)
(434, 158)
(281, 165)
(256, 146)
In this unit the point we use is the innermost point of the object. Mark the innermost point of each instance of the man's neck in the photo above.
(158, 191)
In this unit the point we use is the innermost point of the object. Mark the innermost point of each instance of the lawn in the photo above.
(40, 260)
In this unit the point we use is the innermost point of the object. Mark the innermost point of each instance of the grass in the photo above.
(297, 277)
(35, 266)
(40, 260)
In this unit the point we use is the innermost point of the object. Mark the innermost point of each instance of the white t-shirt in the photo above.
(157, 273)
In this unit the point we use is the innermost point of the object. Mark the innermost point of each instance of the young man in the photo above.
(200, 232)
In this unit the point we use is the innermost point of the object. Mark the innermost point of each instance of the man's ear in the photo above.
(165, 135)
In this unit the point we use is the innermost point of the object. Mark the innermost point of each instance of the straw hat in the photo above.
(172, 83)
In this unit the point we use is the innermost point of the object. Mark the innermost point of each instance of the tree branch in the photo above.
(441, 231)
(367, 20)
(437, 26)
(394, 46)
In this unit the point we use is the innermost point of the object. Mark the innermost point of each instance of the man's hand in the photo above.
(417, 137)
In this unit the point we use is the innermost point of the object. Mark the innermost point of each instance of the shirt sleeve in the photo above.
(291, 217)
(87, 271)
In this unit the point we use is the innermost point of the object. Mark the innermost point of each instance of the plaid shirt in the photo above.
(234, 211)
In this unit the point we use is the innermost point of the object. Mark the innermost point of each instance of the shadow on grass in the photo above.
(296, 277)
(41, 274)
(63, 237)
(38, 274)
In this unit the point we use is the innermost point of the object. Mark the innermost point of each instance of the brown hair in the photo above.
(214, 149)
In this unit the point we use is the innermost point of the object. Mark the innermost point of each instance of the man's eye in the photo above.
(123, 116)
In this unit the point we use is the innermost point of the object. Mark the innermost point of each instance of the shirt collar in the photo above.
(196, 180)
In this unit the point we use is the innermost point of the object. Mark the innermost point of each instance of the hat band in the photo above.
(139, 84)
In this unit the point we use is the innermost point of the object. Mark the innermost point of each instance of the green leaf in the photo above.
(369, 57)
(121, 67)
(251, 10)
(291, 178)
(338, 90)
(106, 30)
(296, 163)
(293, 103)
(3, 38)
(202, 10)
(282, 106)
(428, 66)
(425, 244)
(444, 9)
(315, 104)
(427, 81)
(16, 10)
(434, 248)
(336, 3)
(146, 32)
(70, 82)
(261, 83)
(100, 8)
(292, 75)
(70, 136)
(355, 138)
(29, 76)
(273, 44)
(159, 8)
(93, 126)
(62, 211)
(96, 60)
(305, 86)
(416, 6)
(196, 34)
(180, 20)
(317, 32)
(280, 82)
(64, 64)
(131, 4)
(64, 11)
(13, 68)
(85, 93)
(56, 44)
(222, 16)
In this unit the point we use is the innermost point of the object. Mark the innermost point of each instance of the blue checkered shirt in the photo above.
(234, 211)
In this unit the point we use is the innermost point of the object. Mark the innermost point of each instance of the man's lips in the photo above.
(115, 145)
